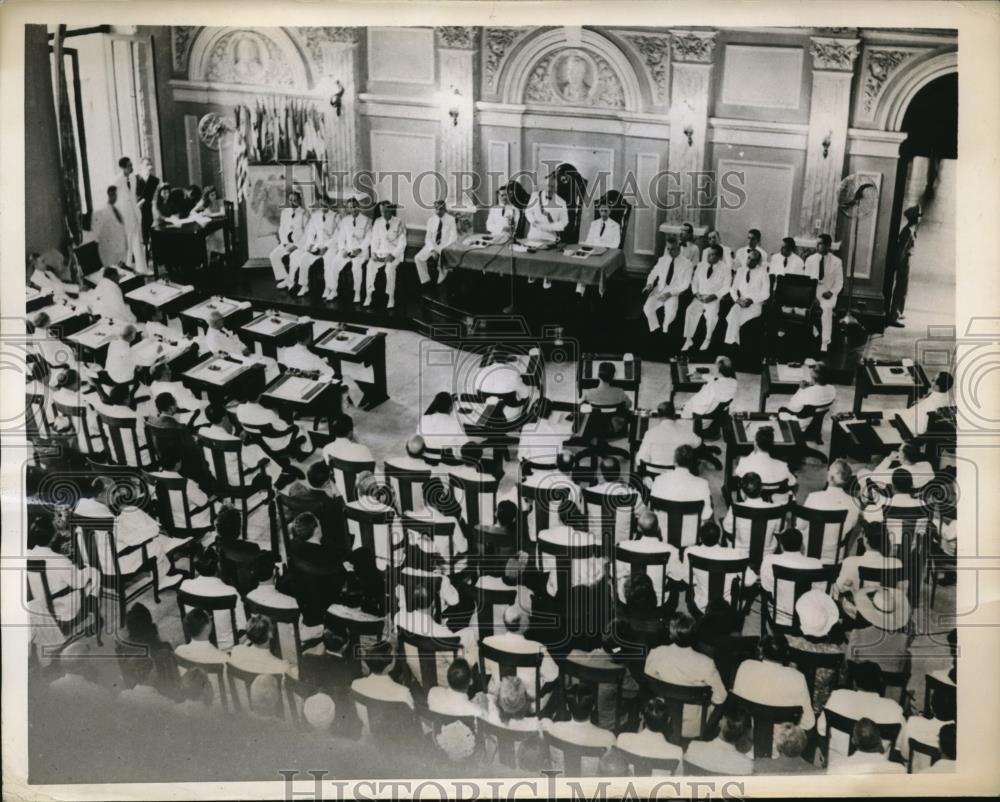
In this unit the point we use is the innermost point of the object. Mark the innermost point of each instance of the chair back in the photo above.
(384, 719)
(583, 671)
(160, 438)
(708, 426)
(345, 475)
(121, 441)
(815, 415)
(288, 508)
(723, 579)
(845, 725)
(357, 625)
(373, 529)
(757, 533)
(823, 530)
(679, 520)
(225, 462)
(789, 584)
(651, 563)
(89, 442)
(808, 663)
(174, 510)
(645, 766)
(37, 416)
(216, 673)
(477, 497)
(278, 616)
(490, 604)
(88, 257)
(932, 753)
(676, 697)
(507, 740)
(424, 655)
(240, 681)
(407, 485)
(545, 500)
(934, 687)
(610, 514)
(210, 604)
(440, 531)
(764, 719)
(437, 721)
(296, 693)
(573, 754)
(508, 664)
(885, 577)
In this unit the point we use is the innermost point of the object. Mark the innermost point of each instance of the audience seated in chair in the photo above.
(580, 701)
(709, 548)
(790, 742)
(199, 649)
(255, 654)
(206, 582)
(732, 751)
(869, 755)
(768, 681)
(683, 484)
(864, 702)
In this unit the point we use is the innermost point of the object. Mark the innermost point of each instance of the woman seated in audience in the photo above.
(651, 740)
(732, 751)
(821, 633)
(162, 207)
(509, 705)
(790, 743)
(142, 639)
(196, 694)
(441, 428)
(206, 582)
(255, 654)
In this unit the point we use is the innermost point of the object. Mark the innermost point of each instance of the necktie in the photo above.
(822, 267)
(437, 237)
(603, 226)
(670, 272)
(711, 267)
(118, 214)
(541, 205)
(128, 183)
(786, 263)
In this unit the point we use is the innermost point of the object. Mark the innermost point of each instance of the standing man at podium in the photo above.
(442, 231)
(349, 246)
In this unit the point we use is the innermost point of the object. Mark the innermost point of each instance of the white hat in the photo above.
(885, 608)
(319, 710)
(817, 613)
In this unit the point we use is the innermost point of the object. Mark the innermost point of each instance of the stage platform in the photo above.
(470, 304)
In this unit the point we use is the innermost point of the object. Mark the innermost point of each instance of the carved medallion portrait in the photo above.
(574, 76)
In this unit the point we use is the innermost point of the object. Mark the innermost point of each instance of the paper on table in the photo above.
(293, 388)
(889, 374)
(786, 373)
(217, 371)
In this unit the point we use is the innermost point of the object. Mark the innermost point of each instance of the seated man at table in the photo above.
(319, 231)
(664, 437)
(388, 245)
(815, 391)
(349, 246)
(547, 217)
(916, 417)
(251, 453)
(299, 357)
(719, 389)
(771, 471)
(291, 232)
(503, 217)
(442, 231)
(750, 289)
(163, 382)
(740, 531)
(218, 339)
(606, 394)
(107, 299)
(682, 484)
(604, 233)
(119, 364)
(669, 278)
(909, 457)
(290, 442)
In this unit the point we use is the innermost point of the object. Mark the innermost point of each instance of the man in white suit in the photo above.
(689, 248)
(786, 262)
(318, 232)
(547, 217)
(603, 233)
(711, 280)
(127, 188)
(350, 246)
(388, 247)
(441, 232)
(670, 276)
(715, 238)
(109, 230)
(829, 273)
(742, 255)
(291, 232)
(751, 288)
(503, 218)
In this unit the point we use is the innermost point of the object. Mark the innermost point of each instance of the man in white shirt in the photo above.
(668, 279)
(580, 701)
(870, 755)
(217, 339)
(349, 246)
(740, 529)
(503, 218)
(786, 262)
(834, 497)
(109, 230)
(442, 231)
(816, 391)
(877, 554)
(681, 484)
(689, 248)
(378, 684)
(708, 548)
(291, 232)
(770, 470)
(199, 649)
(663, 438)
(864, 702)
(648, 540)
(603, 233)
(709, 282)
(516, 621)
(547, 214)
(750, 289)
(791, 556)
(127, 202)
(107, 299)
(454, 700)
(345, 446)
(742, 256)
(299, 357)
(119, 366)
(940, 396)
(719, 389)
(829, 273)
(388, 245)
(768, 681)
(726, 257)
(143, 694)
(679, 664)
(320, 229)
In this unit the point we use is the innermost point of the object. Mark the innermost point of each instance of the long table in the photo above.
(544, 264)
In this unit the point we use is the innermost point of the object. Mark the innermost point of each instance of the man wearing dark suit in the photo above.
(320, 489)
(169, 416)
(146, 186)
(313, 591)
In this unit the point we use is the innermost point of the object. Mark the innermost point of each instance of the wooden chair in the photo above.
(678, 518)
(786, 620)
(604, 512)
(384, 719)
(808, 663)
(890, 679)
(932, 687)
(438, 721)
(490, 604)
(820, 528)
(811, 419)
(764, 719)
(574, 672)
(645, 766)
(433, 528)
(506, 739)
(422, 653)
(174, 510)
(573, 754)
(239, 677)
(217, 671)
(676, 697)
(508, 663)
(375, 530)
(721, 575)
(477, 497)
(278, 616)
(918, 748)
(241, 485)
(885, 577)
(407, 485)
(39, 590)
(545, 501)
(640, 562)
(296, 693)
(121, 442)
(160, 438)
(209, 604)
(709, 426)
(89, 442)
(841, 723)
(763, 522)
(36, 415)
(96, 540)
(345, 475)
(355, 627)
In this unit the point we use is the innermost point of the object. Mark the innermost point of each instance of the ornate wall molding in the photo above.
(458, 37)
(498, 41)
(890, 107)
(877, 66)
(655, 51)
(697, 47)
(181, 37)
(834, 54)
(266, 58)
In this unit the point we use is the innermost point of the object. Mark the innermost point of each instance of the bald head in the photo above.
(415, 446)
(515, 619)
(648, 525)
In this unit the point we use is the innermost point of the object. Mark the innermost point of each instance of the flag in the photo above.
(242, 160)
(73, 220)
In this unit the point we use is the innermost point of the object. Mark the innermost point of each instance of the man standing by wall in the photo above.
(127, 186)
(904, 247)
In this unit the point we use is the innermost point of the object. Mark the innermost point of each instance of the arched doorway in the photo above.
(926, 176)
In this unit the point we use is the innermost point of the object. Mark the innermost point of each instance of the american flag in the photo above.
(242, 159)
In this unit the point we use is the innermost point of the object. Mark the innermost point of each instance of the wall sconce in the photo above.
(336, 99)
(453, 109)
(689, 133)
(827, 141)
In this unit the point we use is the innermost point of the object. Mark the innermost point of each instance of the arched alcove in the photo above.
(261, 57)
(904, 86)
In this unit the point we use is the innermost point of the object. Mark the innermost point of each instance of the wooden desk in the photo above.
(889, 377)
(295, 394)
(742, 427)
(92, 341)
(194, 319)
(273, 330)
(64, 318)
(863, 435)
(185, 246)
(167, 297)
(222, 377)
(37, 299)
(688, 375)
(628, 374)
(357, 344)
(780, 379)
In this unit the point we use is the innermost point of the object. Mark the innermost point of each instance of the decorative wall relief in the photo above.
(834, 54)
(655, 51)
(498, 42)
(693, 46)
(247, 57)
(574, 77)
(181, 37)
(315, 38)
(879, 65)
(458, 37)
